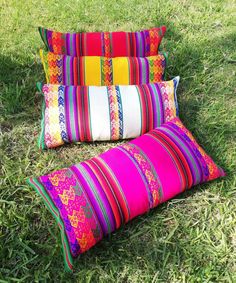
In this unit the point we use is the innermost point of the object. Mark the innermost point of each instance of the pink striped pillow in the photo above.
(93, 198)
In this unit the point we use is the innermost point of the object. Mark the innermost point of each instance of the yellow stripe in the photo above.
(92, 70)
(120, 71)
(41, 53)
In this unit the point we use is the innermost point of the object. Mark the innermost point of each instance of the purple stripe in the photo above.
(64, 69)
(74, 44)
(147, 51)
(195, 181)
(143, 43)
(67, 112)
(102, 195)
(162, 114)
(75, 106)
(191, 148)
(147, 70)
(49, 39)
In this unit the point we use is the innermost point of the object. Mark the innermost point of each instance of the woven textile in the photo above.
(109, 44)
(82, 113)
(93, 198)
(99, 71)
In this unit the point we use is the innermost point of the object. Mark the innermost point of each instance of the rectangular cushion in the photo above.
(109, 44)
(93, 198)
(94, 70)
(90, 113)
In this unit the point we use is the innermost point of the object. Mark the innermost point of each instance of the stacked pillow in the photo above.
(110, 86)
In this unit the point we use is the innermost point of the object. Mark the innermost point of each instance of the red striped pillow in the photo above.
(109, 44)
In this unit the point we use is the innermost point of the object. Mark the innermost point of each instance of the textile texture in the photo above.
(108, 44)
(90, 113)
(93, 198)
(99, 71)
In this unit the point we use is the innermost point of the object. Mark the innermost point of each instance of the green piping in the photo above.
(166, 57)
(50, 205)
(43, 37)
(41, 140)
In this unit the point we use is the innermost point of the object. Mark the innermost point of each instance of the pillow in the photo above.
(91, 113)
(93, 198)
(109, 44)
(94, 70)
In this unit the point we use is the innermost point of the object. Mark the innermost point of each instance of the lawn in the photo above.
(191, 238)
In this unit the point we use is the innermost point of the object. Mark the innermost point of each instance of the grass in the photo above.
(189, 239)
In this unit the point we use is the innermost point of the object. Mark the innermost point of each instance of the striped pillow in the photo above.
(109, 44)
(93, 198)
(94, 70)
(104, 113)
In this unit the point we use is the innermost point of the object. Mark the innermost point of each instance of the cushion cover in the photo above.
(93, 198)
(94, 70)
(90, 113)
(109, 44)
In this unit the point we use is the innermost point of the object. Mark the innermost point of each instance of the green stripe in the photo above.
(72, 119)
(94, 190)
(44, 36)
(165, 71)
(68, 74)
(35, 184)
(71, 44)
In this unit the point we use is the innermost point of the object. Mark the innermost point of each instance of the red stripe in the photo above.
(75, 70)
(115, 187)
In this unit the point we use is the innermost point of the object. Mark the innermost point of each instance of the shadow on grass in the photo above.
(18, 86)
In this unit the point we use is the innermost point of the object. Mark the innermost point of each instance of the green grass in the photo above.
(189, 239)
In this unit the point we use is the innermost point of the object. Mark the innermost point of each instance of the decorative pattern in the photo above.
(70, 70)
(110, 44)
(97, 196)
(116, 112)
(148, 172)
(81, 113)
(82, 227)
